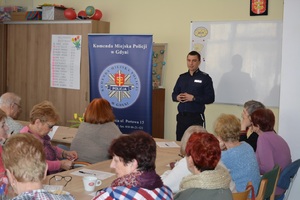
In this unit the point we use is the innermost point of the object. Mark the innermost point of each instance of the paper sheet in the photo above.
(53, 131)
(167, 144)
(65, 61)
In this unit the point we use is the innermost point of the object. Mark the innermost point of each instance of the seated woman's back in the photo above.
(271, 148)
(210, 184)
(96, 133)
(93, 140)
(238, 157)
(242, 164)
(211, 194)
(208, 179)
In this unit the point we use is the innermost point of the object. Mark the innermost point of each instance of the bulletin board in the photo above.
(243, 59)
(158, 64)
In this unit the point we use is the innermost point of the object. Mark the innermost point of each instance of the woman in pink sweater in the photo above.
(43, 117)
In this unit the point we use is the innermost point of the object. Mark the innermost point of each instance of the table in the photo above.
(75, 186)
(64, 135)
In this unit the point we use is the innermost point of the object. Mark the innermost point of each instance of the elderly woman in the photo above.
(3, 137)
(239, 157)
(43, 117)
(134, 163)
(208, 180)
(25, 163)
(10, 103)
(247, 134)
(96, 132)
(172, 178)
(271, 149)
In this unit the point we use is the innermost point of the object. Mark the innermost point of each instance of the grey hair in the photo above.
(9, 98)
(188, 132)
(253, 105)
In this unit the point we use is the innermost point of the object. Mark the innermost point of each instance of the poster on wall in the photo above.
(120, 72)
(65, 61)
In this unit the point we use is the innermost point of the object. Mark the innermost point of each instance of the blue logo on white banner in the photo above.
(120, 84)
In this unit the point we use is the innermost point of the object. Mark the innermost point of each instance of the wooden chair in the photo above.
(262, 189)
(268, 184)
(243, 195)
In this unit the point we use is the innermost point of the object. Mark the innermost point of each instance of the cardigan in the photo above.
(93, 140)
(53, 153)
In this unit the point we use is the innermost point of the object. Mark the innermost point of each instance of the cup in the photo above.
(90, 182)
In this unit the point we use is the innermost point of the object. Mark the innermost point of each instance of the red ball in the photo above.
(97, 15)
(82, 13)
(70, 13)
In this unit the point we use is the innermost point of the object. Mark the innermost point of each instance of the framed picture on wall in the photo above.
(258, 7)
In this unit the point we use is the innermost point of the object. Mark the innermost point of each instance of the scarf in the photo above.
(144, 179)
(209, 179)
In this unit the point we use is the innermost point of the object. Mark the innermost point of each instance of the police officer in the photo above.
(192, 90)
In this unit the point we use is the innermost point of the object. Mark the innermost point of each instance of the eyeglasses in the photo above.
(58, 178)
(50, 126)
(19, 106)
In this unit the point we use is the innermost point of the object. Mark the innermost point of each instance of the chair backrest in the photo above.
(272, 177)
(243, 195)
(262, 189)
(287, 176)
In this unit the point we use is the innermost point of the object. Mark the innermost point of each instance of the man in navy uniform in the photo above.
(192, 90)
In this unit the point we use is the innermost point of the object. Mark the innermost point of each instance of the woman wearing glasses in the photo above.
(43, 117)
(25, 162)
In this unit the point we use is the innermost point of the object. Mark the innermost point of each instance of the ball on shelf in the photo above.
(97, 15)
(70, 13)
(82, 14)
(90, 11)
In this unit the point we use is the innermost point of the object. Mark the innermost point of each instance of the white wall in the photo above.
(289, 113)
(169, 22)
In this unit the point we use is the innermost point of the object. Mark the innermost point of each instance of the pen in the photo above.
(66, 137)
(86, 173)
(182, 156)
(166, 144)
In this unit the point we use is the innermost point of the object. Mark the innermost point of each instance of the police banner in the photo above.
(120, 72)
